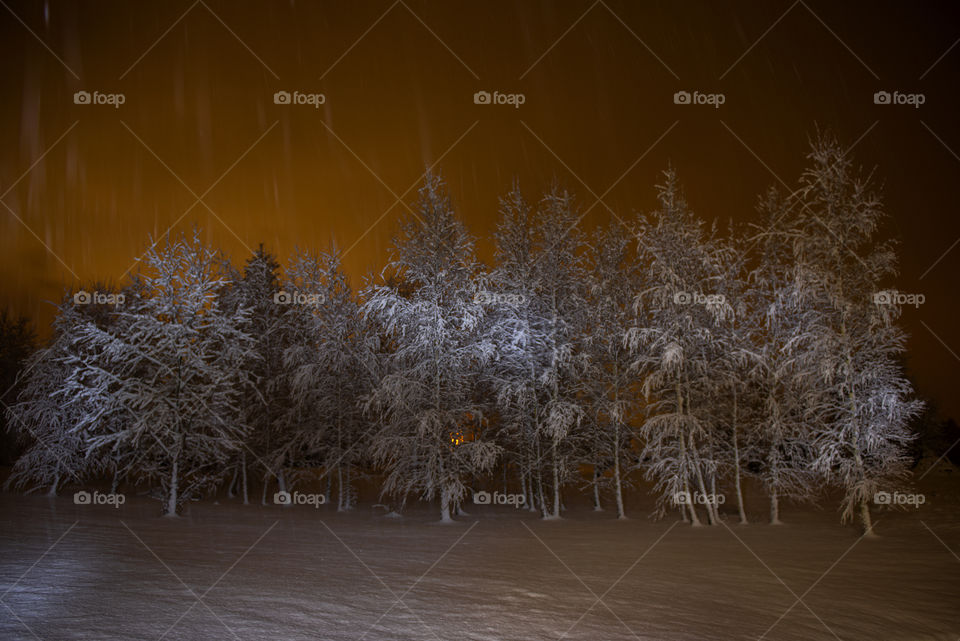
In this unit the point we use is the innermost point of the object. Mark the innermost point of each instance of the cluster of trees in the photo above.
(693, 357)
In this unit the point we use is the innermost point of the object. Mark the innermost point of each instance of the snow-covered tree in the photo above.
(609, 383)
(783, 367)
(432, 438)
(674, 339)
(733, 393)
(55, 451)
(265, 446)
(330, 367)
(560, 278)
(517, 328)
(165, 383)
(866, 404)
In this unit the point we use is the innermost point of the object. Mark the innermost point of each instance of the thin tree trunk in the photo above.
(523, 482)
(736, 464)
(172, 497)
(711, 516)
(541, 497)
(556, 483)
(243, 465)
(713, 495)
(596, 489)
(694, 519)
(618, 487)
(56, 483)
(233, 482)
(774, 508)
(532, 504)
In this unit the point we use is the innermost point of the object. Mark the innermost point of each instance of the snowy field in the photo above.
(225, 571)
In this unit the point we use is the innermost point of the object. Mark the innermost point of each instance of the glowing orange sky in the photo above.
(399, 78)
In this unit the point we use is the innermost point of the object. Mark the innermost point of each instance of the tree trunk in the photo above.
(694, 519)
(713, 493)
(736, 464)
(56, 483)
(541, 497)
(711, 515)
(556, 483)
(866, 520)
(243, 466)
(445, 506)
(233, 482)
(774, 508)
(621, 513)
(172, 493)
(596, 489)
(523, 482)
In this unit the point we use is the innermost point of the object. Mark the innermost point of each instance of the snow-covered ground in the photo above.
(225, 571)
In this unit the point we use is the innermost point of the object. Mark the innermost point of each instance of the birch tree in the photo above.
(867, 401)
(677, 313)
